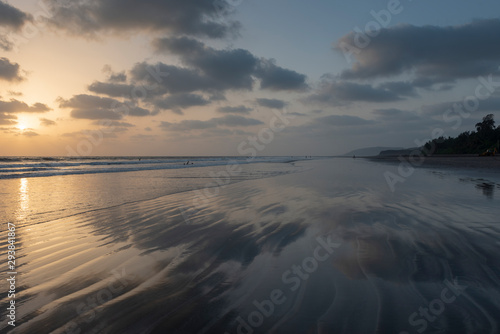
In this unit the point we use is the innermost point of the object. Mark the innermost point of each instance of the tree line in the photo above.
(485, 138)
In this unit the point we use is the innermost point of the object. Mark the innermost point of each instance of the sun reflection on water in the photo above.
(24, 199)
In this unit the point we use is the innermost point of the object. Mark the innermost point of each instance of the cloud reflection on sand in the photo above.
(395, 253)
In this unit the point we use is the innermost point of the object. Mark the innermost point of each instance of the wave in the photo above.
(27, 167)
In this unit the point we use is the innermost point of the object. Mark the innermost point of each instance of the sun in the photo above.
(22, 126)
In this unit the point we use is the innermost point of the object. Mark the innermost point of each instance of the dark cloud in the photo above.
(111, 89)
(226, 69)
(7, 119)
(97, 113)
(47, 122)
(82, 101)
(172, 79)
(12, 17)
(118, 77)
(271, 103)
(207, 75)
(236, 120)
(15, 106)
(187, 125)
(113, 76)
(275, 78)
(342, 120)
(134, 111)
(178, 45)
(9, 71)
(233, 68)
(228, 120)
(235, 110)
(439, 53)
(114, 123)
(194, 17)
(339, 92)
(180, 101)
(96, 107)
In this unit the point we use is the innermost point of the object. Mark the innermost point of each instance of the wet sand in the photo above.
(470, 161)
(328, 250)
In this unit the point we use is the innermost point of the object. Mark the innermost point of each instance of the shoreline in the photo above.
(463, 161)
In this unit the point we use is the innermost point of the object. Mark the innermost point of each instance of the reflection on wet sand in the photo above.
(316, 252)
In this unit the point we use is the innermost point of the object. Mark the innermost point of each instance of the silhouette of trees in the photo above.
(485, 137)
(487, 125)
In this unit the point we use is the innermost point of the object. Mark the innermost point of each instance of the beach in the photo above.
(462, 161)
(312, 246)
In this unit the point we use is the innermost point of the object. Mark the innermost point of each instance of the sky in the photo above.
(238, 77)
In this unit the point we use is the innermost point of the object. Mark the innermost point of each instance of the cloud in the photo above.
(5, 43)
(95, 107)
(47, 122)
(12, 17)
(15, 106)
(276, 78)
(118, 77)
(228, 120)
(178, 45)
(30, 134)
(111, 89)
(235, 110)
(231, 68)
(13, 93)
(97, 113)
(173, 79)
(206, 76)
(9, 71)
(177, 102)
(236, 120)
(339, 92)
(226, 69)
(113, 124)
(179, 17)
(88, 101)
(342, 120)
(439, 53)
(271, 103)
(7, 119)
(187, 125)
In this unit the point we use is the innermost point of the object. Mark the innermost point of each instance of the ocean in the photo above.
(100, 182)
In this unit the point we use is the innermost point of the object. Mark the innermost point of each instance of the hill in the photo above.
(370, 151)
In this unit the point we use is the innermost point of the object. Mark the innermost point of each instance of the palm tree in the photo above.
(486, 125)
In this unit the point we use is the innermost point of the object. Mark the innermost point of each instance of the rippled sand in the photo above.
(328, 250)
